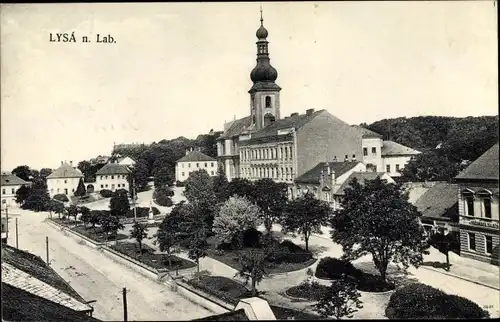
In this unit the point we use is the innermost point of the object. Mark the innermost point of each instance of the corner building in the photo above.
(266, 145)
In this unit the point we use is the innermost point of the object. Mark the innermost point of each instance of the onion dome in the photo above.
(263, 72)
(261, 32)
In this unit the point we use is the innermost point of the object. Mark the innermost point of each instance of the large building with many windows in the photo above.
(64, 180)
(267, 145)
(478, 208)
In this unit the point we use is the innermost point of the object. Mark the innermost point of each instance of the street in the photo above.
(97, 277)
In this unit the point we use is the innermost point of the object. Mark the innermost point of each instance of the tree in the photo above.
(23, 172)
(119, 204)
(86, 215)
(56, 207)
(169, 233)
(163, 177)
(377, 219)
(445, 244)
(253, 263)
(198, 245)
(140, 174)
(235, 216)
(200, 193)
(241, 187)
(271, 197)
(80, 190)
(45, 172)
(22, 194)
(38, 198)
(220, 185)
(110, 224)
(305, 215)
(340, 300)
(139, 232)
(430, 166)
(72, 211)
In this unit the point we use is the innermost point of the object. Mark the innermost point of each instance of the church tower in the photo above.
(265, 93)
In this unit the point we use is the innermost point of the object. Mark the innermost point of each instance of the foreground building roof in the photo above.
(313, 176)
(113, 168)
(484, 167)
(439, 201)
(195, 156)
(391, 148)
(9, 179)
(65, 171)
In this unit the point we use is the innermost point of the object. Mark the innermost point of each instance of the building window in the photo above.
(397, 167)
(106, 177)
(183, 174)
(472, 241)
(212, 172)
(197, 165)
(365, 152)
(469, 201)
(488, 240)
(4, 191)
(374, 150)
(112, 177)
(388, 168)
(13, 191)
(212, 164)
(65, 181)
(487, 207)
(206, 164)
(57, 190)
(106, 186)
(268, 101)
(72, 190)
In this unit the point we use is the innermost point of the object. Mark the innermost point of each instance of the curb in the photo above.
(460, 277)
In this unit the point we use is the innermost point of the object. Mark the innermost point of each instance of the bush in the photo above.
(180, 183)
(224, 288)
(251, 238)
(61, 197)
(105, 193)
(309, 291)
(155, 211)
(420, 301)
(330, 268)
(372, 283)
(164, 201)
(288, 252)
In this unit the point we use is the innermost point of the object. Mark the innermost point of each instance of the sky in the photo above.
(182, 69)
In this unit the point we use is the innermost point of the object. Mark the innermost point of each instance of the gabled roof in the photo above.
(236, 128)
(20, 305)
(195, 156)
(37, 268)
(65, 171)
(391, 148)
(366, 133)
(438, 200)
(113, 168)
(484, 167)
(238, 315)
(9, 179)
(361, 177)
(313, 175)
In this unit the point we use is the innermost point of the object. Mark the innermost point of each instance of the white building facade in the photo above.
(64, 180)
(194, 161)
(112, 176)
(10, 183)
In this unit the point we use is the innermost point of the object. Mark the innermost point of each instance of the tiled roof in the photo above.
(196, 156)
(238, 315)
(392, 148)
(36, 267)
(65, 171)
(9, 179)
(312, 176)
(20, 305)
(366, 133)
(285, 123)
(21, 280)
(361, 177)
(113, 168)
(436, 201)
(236, 128)
(484, 167)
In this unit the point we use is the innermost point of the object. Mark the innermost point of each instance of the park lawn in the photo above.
(231, 258)
(68, 222)
(150, 258)
(221, 287)
(97, 234)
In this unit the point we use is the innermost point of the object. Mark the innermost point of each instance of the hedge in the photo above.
(288, 252)
(420, 301)
(61, 197)
(330, 268)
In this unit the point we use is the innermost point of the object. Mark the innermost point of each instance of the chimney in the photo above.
(353, 158)
(335, 159)
(346, 158)
(310, 111)
(71, 163)
(322, 179)
(294, 114)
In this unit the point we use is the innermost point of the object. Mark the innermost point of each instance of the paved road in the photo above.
(97, 277)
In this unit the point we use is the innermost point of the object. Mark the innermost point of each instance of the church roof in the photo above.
(237, 128)
(9, 179)
(113, 168)
(391, 148)
(194, 156)
(313, 175)
(485, 167)
(65, 171)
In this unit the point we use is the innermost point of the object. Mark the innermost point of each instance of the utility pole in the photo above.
(125, 315)
(7, 225)
(134, 196)
(17, 236)
(47, 248)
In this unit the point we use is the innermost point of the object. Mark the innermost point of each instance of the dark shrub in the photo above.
(251, 238)
(309, 291)
(224, 288)
(164, 201)
(180, 183)
(105, 193)
(155, 211)
(61, 197)
(120, 191)
(288, 252)
(420, 301)
(169, 193)
(332, 268)
(372, 283)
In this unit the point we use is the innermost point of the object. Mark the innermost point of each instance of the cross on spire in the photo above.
(261, 19)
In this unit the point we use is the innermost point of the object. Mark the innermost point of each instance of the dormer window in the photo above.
(268, 101)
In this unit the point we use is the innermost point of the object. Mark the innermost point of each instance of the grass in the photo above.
(150, 258)
(221, 287)
(97, 234)
(68, 222)
(231, 258)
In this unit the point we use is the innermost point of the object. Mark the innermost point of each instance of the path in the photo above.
(97, 277)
